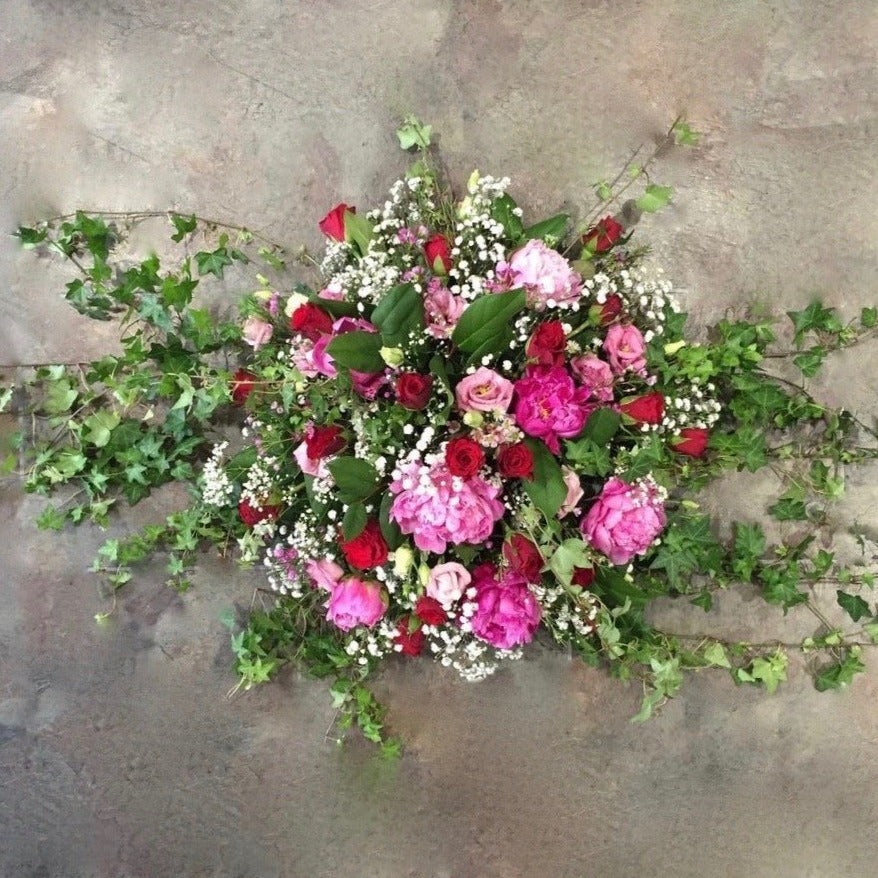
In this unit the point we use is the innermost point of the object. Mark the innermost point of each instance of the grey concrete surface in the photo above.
(121, 756)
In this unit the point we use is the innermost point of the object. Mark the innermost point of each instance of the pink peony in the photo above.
(574, 491)
(324, 574)
(355, 602)
(439, 508)
(508, 614)
(625, 519)
(442, 309)
(550, 406)
(625, 348)
(544, 274)
(448, 582)
(483, 391)
(256, 332)
(594, 374)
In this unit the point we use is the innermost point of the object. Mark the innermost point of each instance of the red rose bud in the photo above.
(515, 461)
(430, 611)
(250, 515)
(464, 457)
(324, 442)
(604, 315)
(523, 557)
(332, 225)
(413, 390)
(583, 576)
(242, 386)
(691, 441)
(366, 550)
(411, 641)
(648, 409)
(438, 253)
(547, 344)
(603, 236)
(311, 321)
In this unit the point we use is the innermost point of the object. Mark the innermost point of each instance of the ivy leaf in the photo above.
(213, 262)
(355, 479)
(31, 238)
(413, 133)
(546, 489)
(685, 135)
(748, 549)
(815, 318)
(869, 318)
(715, 654)
(398, 313)
(852, 604)
(810, 361)
(484, 327)
(841, 674)
(780, 586)
(99, 426)
(655, 198)
(790, 507)
(59, 397)
(770, 671)
(570, 554)
(357, 350)
(184, 225)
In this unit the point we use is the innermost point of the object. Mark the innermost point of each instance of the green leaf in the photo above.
(355, 479)
(59, 397)
(841, 674)
(31, 238)
(389, 528)
(601, 426)
(570, 554)
(748, 549)
(852, 604)
(485, 326)
(412, 133)
(810, 361)
(790, 507)
(51, 519)
(770, 671)
(213, 262)
(184, 225)
(354, 520)
(550, 230)
(398, 314)
(358, 230)
(685, 135)
(99, 426)
(589, 458)
(503, 210)
(547, 489)
(815, 318)
(715, 654)
(869, 317)
(688, 546)
(358, 350)
(703, 599)
(780, 586)
(655, 198)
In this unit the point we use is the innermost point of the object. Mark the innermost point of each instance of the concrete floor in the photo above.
(119, 752)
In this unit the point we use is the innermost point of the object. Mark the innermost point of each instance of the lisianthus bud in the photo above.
(392, 356)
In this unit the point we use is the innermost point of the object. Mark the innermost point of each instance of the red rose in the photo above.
(311, 321)
(413, 390)
(251, 515)
(547, 344)
(604, 315)
(692, 441)
(242, 386)
(523, 557)
(412, 642)
(332, 225)
(604, 235)
(324, 442)
(515, 461)
(366, 550)
(648, 409)
(583, 576)
(430, 611)
(464, 457)
(438, 253)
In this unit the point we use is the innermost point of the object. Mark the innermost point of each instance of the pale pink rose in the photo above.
(625, 348)
(323, 362)
(256, 332)
(437, 508)
(550, 406)
(624, 520)
(303, 358)
(574, 491)
(355, 602)
(324, 574)
(448, 582)
(334, 293)
(316, 468)
(594, 374)
(484, 391)
(508, 614)
(442, 309)
(545, 275)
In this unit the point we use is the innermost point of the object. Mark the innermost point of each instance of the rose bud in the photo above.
(323, 442)
(523, 557)
(242, 386)
(430, 611)
(251, 515)
(692, 441)
(515, 461)
(311, 321)
(332, 225)
(583, 576)
(603, 236)
(547, 344)
(648, 409)
(413, 390)
(410, 639)
(438, 253)
(604, 315)
(464, 457)
(366, 550)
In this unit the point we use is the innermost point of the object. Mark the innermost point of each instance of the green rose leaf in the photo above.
(551, 230)
(354, 521)
(358, 230)
(355, 479)
(503, 210)
(546, 489)
(601, 426)
(485, 325)
(398, 313)
(357, 350)
(389, 528)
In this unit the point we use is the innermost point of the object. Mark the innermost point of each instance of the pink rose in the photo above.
(367, 384)
(574, 491)
(625, 348)
(544, 273)
(550, 406)
(256, 332)
(508, 614)
(302, 355)
(324, 574)
(448, 582)
(594, 374)
(483, 391)
(355, 602)
(625, 519)
(442, 309)
(316, 468)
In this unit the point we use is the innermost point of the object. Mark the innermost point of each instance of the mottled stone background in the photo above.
(119, 752)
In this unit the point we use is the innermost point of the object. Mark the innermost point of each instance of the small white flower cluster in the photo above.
(216, 487)
(694, 407)
(261, 480)
(564, 611)
(371, 643)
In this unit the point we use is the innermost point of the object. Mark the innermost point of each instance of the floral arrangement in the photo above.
(470, 431)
